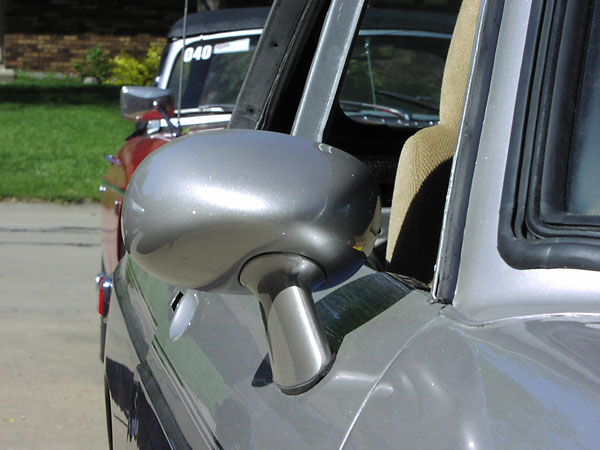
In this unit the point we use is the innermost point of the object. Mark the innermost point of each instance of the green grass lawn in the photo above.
(54, 134)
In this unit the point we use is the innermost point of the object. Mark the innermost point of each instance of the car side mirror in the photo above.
(145, 103)
(142, 103)
(241, 210)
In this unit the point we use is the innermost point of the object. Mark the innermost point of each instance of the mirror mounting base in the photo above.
(298, 348)
(175, 129)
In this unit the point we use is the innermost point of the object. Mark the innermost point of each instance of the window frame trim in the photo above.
(532, 235)
(463, 167)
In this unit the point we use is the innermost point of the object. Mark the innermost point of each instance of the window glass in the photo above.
(583, 178)
(213, 72)
(392, 84)
(550, 217)
(394, 76)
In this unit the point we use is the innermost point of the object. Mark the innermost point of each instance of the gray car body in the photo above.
(492, 357)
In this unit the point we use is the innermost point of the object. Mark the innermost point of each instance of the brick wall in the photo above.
(56, 52)
(48, 35)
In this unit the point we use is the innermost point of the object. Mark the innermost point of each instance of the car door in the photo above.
(200, 359)
(512, 362)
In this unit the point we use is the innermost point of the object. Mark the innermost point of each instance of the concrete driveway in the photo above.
(51, 388)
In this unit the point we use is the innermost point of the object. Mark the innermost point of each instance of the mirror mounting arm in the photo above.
(298, 348)
(175, 129)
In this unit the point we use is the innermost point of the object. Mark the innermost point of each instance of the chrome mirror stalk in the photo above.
(298, 348)
(305, 221)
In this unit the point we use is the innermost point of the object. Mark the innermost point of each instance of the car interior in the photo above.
(425, 161)
(415, 179)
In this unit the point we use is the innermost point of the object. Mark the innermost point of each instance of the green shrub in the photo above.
(127, 70)
(95, 64)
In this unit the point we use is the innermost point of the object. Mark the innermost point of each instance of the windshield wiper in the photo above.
(413, 100)
(360, 106)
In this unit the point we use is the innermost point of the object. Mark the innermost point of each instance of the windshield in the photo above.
(213, 73)
(394, 77)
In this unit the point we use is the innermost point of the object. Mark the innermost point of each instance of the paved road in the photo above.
(51, 391)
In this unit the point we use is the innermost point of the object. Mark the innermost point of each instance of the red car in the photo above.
(218, 48)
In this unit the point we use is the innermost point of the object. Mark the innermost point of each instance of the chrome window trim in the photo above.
(191, 121)
(154, 126)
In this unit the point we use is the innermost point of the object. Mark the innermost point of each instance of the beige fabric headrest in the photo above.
(430, 147)
(458, 62)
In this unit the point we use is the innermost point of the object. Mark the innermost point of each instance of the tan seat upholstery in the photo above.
(424, 164)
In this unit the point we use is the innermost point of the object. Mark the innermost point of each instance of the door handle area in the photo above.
(185, 306)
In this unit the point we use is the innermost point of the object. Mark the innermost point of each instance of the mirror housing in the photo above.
(141, 103)
(234, 211)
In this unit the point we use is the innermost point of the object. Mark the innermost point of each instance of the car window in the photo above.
(564, 194)
(392, 82)
(394, 75)
(583, 174)
(551, 212)
(213, 72)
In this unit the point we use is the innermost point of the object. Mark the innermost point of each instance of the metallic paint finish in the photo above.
(488, 288)
(407, 374)
(208, 372)
(115, 181)
(476, 95)
(513, 384)
(188, 424)
(140, 428)
(138, 147)
(298, 347)
(448, 384)
(121, 359)
(327, 68)
(199, 208)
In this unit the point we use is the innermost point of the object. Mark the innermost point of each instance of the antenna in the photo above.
(185, 11)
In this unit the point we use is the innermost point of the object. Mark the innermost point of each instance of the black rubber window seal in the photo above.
(534, 230)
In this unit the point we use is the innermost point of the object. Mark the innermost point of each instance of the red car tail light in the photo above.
(104, 285)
